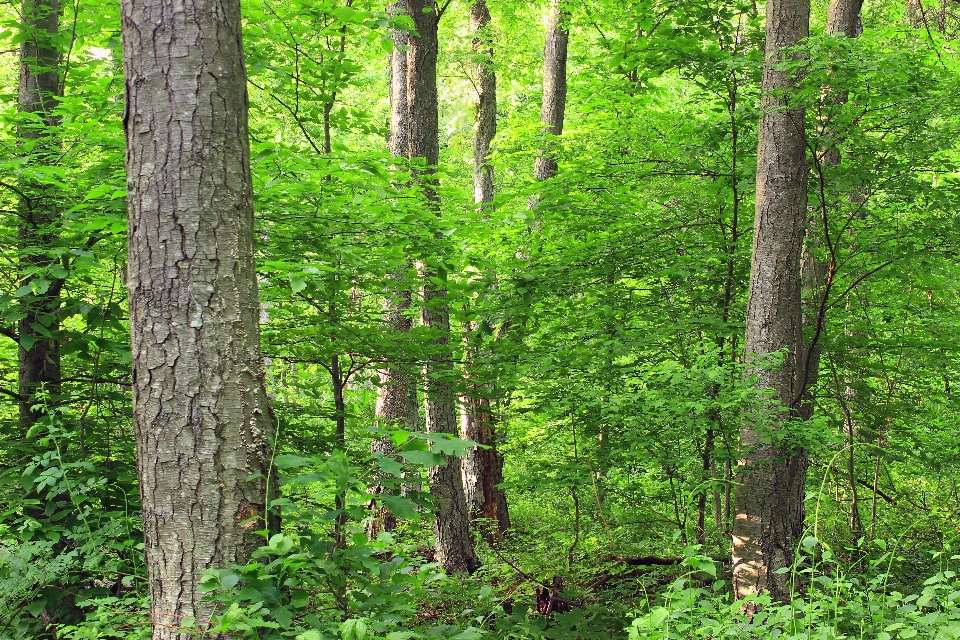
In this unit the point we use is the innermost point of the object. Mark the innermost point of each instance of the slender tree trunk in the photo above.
(554, 100)
(393, 393)
(843, 17)
(454, 543)
(39, 93)
(393, 398)
(705, 476)
(769, 500)
(482, 468)
(201, 414)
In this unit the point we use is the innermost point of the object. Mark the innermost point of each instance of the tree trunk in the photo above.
(393, 400)
(454, 544)
(392, 409)
(483, 189)
(554, 100)
(201, 414)
(482, 468)
(39, 93)
(843, 17)
(769, 500)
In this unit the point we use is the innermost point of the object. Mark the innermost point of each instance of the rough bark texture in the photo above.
(769, 499)
(486, 105)
(38, 93)
(843, 16)
(201, 413)
(454, 544)
(554, 88)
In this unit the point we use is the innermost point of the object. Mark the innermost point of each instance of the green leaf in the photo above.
(399, 506)
(27, 341)
(283, 616)
(229, 579)
(391, 466)
(353, 629)
(425, 458)
(290, 461)
(36, 607)
(280, 543)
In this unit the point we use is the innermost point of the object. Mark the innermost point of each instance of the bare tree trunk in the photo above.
(454, 544)
(39, 93)
(554, 100)
(769, 500)
(201, 414)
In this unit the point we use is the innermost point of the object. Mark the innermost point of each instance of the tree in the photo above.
(482, 466)
(554, 101)
(39, 92)
(397, 397)
(202, 419)
(454, 545)
(769, 501)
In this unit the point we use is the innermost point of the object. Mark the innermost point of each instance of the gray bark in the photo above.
(553, 103)
(554, 100)
(486, 105)
(201, 414)
(39, 92)
(454, 545)
(393, 400)
(769, 499)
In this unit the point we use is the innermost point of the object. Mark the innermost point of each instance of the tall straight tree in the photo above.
(843, 18)
(393, 395)
(769, 501)
(38, 95)
(454, 544)
(482, 466)
(201, 414)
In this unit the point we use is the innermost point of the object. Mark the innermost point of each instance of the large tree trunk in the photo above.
(39, 93)
(454, 544)
(201, 413)
(769, 500)
(552, 107)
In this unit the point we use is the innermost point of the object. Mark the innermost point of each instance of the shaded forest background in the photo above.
(596, 327)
